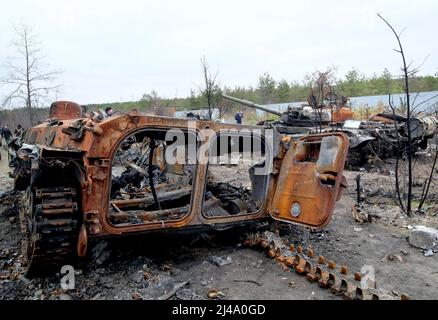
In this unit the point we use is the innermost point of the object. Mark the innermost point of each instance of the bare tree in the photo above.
(321, 87)
(211, 90)
(224, 106)
(408, 107)
(29, 77)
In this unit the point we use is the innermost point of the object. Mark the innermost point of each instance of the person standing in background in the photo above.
(239, 117)
(6, 133)
(18, 131)
(109, 111)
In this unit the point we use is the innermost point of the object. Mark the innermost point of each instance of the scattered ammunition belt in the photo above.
(317, 269)
(52, 237)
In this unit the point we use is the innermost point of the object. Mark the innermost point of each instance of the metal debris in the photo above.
(215, 294)
(100, 253)
(221, 261)
(178, 286)
(428, 253)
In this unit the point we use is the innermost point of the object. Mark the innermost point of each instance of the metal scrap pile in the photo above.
(382, 136)
(385, 136)
(232, 200)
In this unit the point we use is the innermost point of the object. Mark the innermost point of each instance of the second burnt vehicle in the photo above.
(383, 135)
(87, 177)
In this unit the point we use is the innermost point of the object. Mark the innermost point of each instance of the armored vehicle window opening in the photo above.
(132, 201)
(232, 188)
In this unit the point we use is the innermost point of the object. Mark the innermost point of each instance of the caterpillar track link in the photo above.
(317, 269)
(52, 230)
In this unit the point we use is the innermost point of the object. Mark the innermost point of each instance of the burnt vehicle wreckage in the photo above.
(383, 135)
(90, 177)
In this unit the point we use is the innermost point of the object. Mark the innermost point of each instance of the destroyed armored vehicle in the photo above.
(85, 178)
(292, 120)
(386, 135)
(383, 136)
(301, 122)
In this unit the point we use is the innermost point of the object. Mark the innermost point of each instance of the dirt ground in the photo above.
(150, 267)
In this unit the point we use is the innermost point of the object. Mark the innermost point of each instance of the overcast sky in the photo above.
(117, 50)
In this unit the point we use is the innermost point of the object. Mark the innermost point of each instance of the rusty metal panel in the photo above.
(63, 110)
(309, 180)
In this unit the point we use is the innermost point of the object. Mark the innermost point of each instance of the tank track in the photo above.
(317, 269)
(50, 223)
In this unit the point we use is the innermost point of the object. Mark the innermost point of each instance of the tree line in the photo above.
(270, 90)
